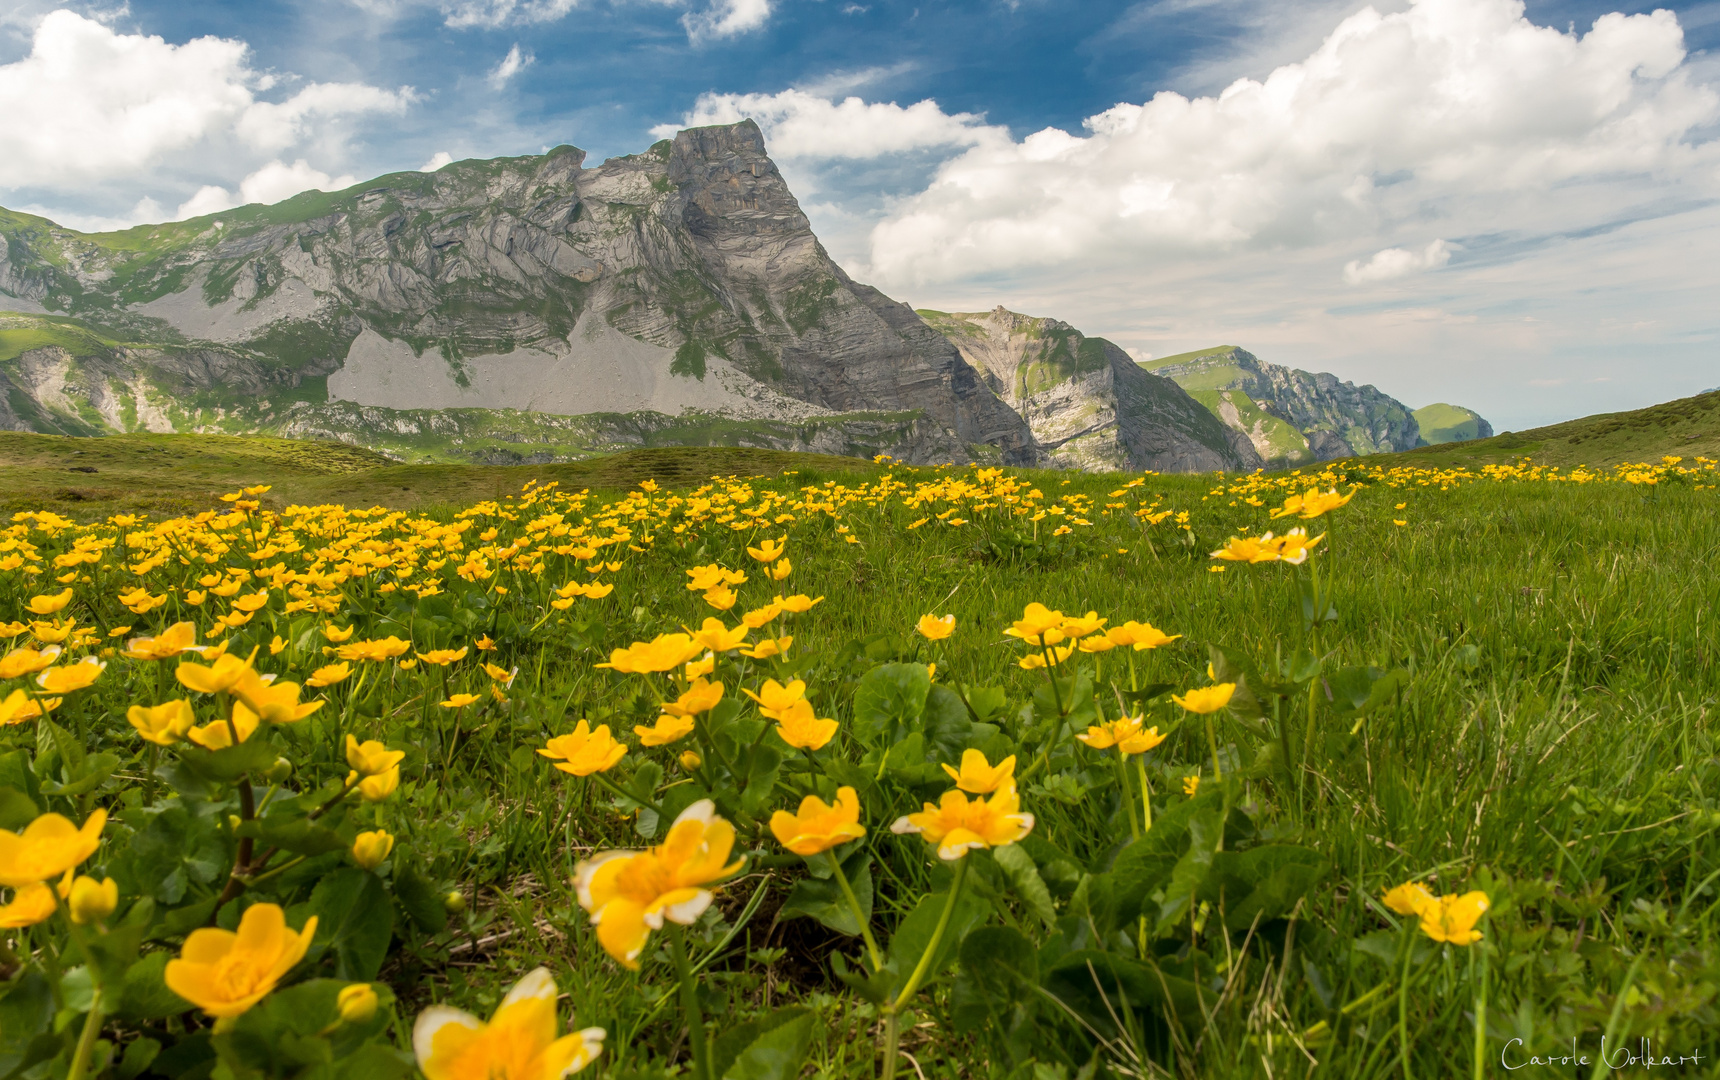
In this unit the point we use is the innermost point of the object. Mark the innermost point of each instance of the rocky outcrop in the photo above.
(1334, 418)
(1088, 405)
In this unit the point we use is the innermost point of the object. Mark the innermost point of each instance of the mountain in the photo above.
(1292, 417)
(1087, 403)
(1685, 429)
(1442, 423)
(529, 309)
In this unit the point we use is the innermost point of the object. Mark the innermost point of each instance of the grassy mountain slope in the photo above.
(1442, 423)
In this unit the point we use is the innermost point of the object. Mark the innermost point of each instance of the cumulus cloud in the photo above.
(726, 18)
(803, 125)
(272, 183)
(1391, 263)
(511, 65)
(1445, 108)
(437, 160)
(89, 104)
(489, 14)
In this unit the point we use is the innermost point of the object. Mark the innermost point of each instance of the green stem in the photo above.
(892, 1044)
(859, 916)
(1212, 741)
(1128, 796)
(1481, 1015)
(1146, 792)
(690, 1004)
(87, 1040)
(925, 963)
(613, 787)
(1403, 1002)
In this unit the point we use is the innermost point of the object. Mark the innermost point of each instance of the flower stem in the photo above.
(87, 1040)
(925, 963)
(1481, 1014)
(1146, 792)
(1128, 796)
(1403, 1002)
(859, 916)
(1212, 741)
(690, 1004)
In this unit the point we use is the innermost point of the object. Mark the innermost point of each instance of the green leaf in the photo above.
(16, 809)
(1264, 881)
(1018, 866)
(1204, 830)
(914, 933)
(1357, 691)
(986, 701)
(174, 849)
(761, 769)
(1101, 987)
(773, 1046)
(946, 724)
(355, 920)
(824, 901)
(294, 834)
(889, 700)
(51, 736)
(144, 994)
(16, 773)
(26, 1013)
(418, 896)
(875, 987)
(94, 773)
(138, 1055)
(999, 971)
(228, 764)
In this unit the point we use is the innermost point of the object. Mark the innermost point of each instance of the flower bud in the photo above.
(357, 1003)
(371, 848)
(454, 902)
(691, 760)
(279, 771)
(92, 901)
(234, 820)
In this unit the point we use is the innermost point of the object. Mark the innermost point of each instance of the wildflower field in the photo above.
(1369, 771)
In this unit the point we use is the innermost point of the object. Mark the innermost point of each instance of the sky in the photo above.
(1514, 208)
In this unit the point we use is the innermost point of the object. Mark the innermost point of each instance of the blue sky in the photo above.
(1532, 284)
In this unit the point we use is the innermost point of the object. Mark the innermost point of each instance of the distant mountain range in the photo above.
(533, 309)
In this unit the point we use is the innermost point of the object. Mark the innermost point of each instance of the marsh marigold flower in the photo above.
(49, 604)
(1408, 898)
(773, 697)
(178, 638)
(584, 751)
(800, 728)
(1248, 549)
(1294, 547)
(216, 678)
(356, 1004)
(956, 826)
(31, 904)
(18, 708)
(218, 735)
(769, 647)
(48, 847)
(370, 848)
(1128, 734)
(665, 652)
(978, 776)
(936, 627)
(519, 1042)
(459, 701)
(716, 637)
(163, 724)
(767, 551)
(21, 662)
(669, 728)
(1313, 503)
(443, 657)
(817, 827)
(276, 702)
(1191, 786)
(1452, 918)
(329, 675)
(377, 787)
(337, 635)
(700, 697)
(1038, 624)
(371, 758)
(1206, 699)
(631, 893)
(69, 677)
(225, 973)
(92, 901)
(375, 651)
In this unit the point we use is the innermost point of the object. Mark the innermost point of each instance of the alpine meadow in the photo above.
(868, 770)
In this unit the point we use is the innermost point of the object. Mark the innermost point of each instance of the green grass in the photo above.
(1442, 423)
(1285, 445)
(1184, 357)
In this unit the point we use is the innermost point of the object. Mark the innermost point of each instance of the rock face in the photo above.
(1291, 416)
(1089, 406)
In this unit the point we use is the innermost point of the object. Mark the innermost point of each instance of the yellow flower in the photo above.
(371, 758)
(48, 847)
(773, 697)
(172, 641)
(584, 751)
(716, 637)
(665, 652)
(1248, 549)
(669, 728)
(1059, 653)
(276, 702)
(1453, 918)
(1313, 502)
(49, 604)
(329, 674)
(631, 893)
(1140, 635)
(377, 651)
(802, 730)
(1096, 643)
(225, 973)
(817, 827)
(54, 632)
(700, 697)
(216, 678)
(1294, 546)
(91, 900)
(460, 701)
(378, 787)
(1080, 626)
(979, 776)
(33, 903)
(277, 646)
(1206, 699)
(936, 627)
(21, 662)
(163, 724)
(1409, 898)
(501, 675)
(71, 676)
(759, 616)
(1126, 734)
(218, 735)
(721, 597)
(18, 708)
(769, 647)
(957, 826)
(1191, 786)
(690, 760)
(336, 634)
(370, 848)
(767, 551)
(698, 669)
(252, 603)
(1037, 624)
(781, 570)
(356, 1003)
(443, 657)
(195, 597)
(799, 603)
(485, 644)
(519, 1042)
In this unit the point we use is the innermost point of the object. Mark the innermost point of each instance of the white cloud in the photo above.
(272, 183)
(1392, 263)
(437, 160)
(490, 14)
(799, 124)
(1454, 107)
(511, 65)
(89, 106)
(726, 18)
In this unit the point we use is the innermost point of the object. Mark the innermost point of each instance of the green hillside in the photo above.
(1442, 423)
(1688, 427)
(1276, 440)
